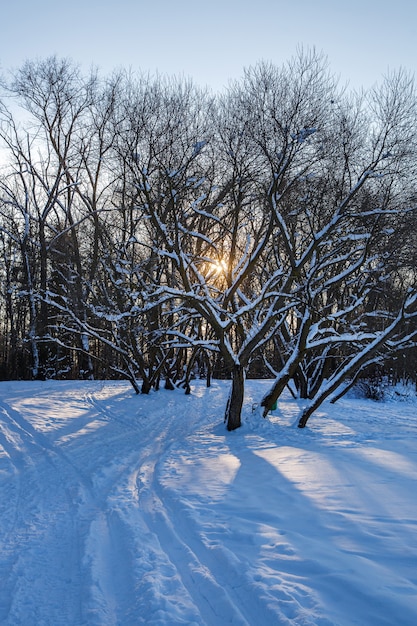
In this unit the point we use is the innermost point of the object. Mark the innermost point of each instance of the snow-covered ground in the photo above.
(118, 509)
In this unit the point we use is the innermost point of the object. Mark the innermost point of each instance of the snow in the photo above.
(118, 509)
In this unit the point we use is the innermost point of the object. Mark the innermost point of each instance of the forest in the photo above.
(154, 231)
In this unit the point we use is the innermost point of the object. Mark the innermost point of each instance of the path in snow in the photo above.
(125, 510)
(86, 536)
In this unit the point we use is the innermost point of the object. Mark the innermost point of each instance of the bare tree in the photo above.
(169, 226)
(340, 258)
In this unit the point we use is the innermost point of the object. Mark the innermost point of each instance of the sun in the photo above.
(216, 271)
(220, 266)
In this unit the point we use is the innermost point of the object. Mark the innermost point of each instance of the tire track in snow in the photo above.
(217, 574)
(208, 594)
(109, 540)
(40, 522)
(200, 574)
(71, 525)
(214, 574)
(12, 461)
(159, 587)
(165, 558)
(130, 556)
(236, 575)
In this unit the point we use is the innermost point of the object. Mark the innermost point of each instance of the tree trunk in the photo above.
(134, 382)
(360, 360)
(290, 367)
(235, 402)
(301, 383)
(146, 386)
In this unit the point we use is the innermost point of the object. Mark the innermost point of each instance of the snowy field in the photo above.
(118, 509)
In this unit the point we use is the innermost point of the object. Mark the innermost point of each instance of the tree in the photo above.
(215, 219)
(342, 259)
(167, 227)
(55, 97)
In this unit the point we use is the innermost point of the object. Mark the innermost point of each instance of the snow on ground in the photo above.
(118, 509)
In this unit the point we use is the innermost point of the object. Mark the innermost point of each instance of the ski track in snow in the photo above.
(118, 509)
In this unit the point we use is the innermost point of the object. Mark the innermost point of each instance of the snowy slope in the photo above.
(118, 509)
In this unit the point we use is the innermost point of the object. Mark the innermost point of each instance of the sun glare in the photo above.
(220, 266)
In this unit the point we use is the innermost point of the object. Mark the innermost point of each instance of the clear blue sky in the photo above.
(212, 40)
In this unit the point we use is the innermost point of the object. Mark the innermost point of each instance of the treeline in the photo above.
(154, 231)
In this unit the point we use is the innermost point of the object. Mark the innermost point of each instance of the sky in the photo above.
(212, 41)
